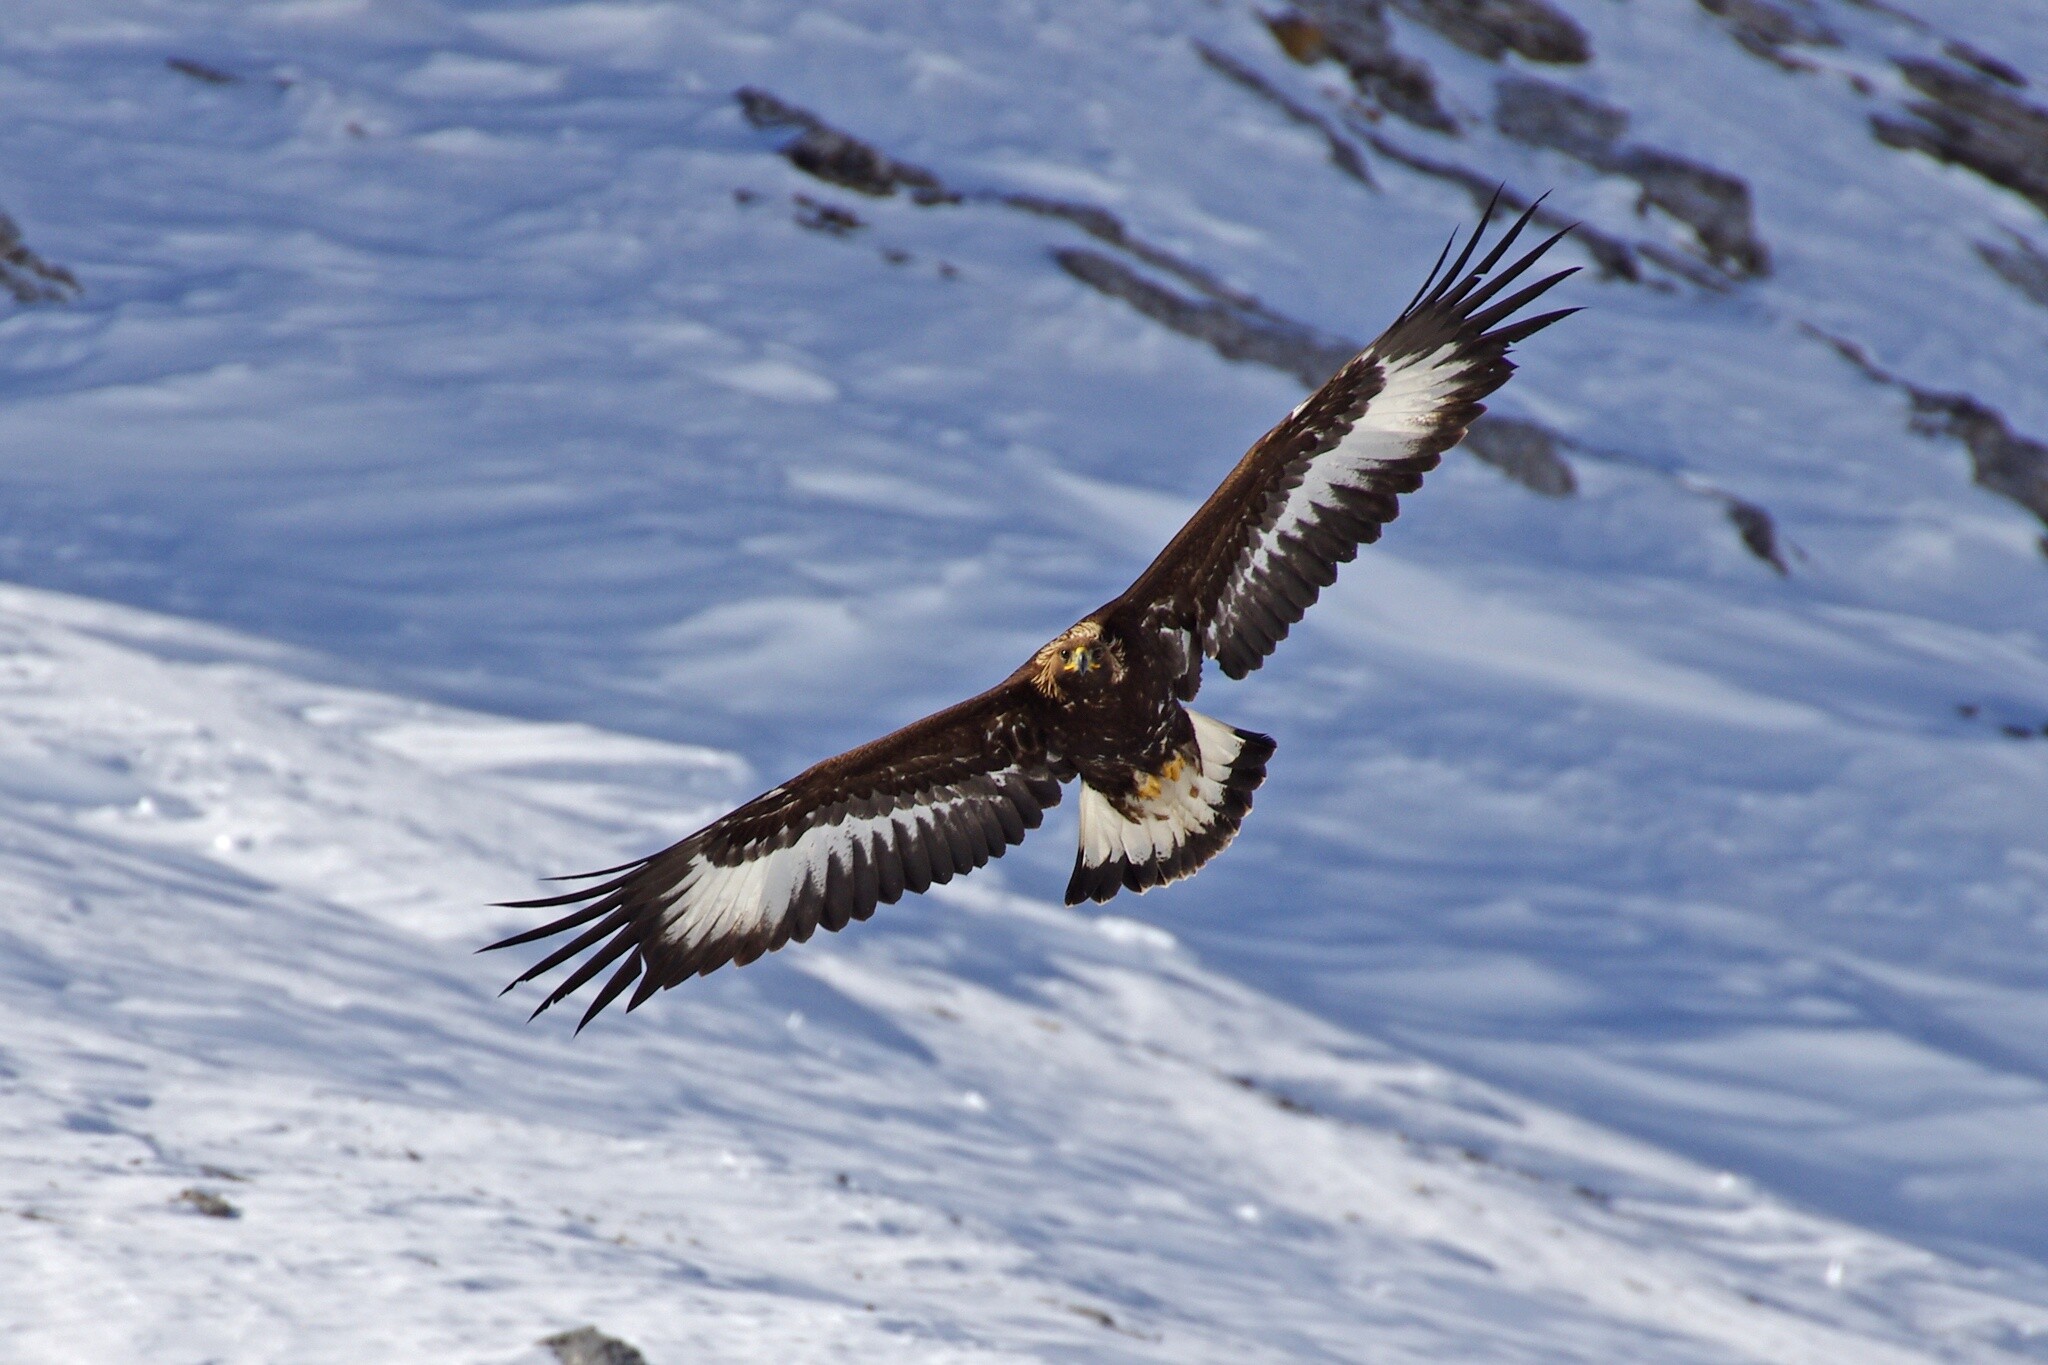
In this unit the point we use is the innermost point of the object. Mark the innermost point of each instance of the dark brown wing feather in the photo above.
(1255, 556)
(934, 799)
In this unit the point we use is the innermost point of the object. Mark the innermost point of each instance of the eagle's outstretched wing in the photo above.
(945, 795)
(1323, 482)
(936, 798)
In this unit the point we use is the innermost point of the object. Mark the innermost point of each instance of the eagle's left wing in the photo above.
(1255, 556)
(934, 799)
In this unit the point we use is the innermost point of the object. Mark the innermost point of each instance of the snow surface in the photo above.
(1635, 955)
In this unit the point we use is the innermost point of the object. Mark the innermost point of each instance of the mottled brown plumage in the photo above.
(1163, 788)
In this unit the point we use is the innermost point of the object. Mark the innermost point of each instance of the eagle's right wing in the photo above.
(1313, 489)
(936, 798)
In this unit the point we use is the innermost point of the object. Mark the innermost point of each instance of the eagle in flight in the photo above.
(1163, 787)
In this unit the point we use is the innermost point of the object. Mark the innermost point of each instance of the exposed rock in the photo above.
(1614, 256)
(1984, 62)
(1299, 37)
(588, 1346)
(2002, 460)
(1524, 451)
(1235, 330)
(1714, 204)
(2021, 265)
(1343, 155)
(1105, 226)
(1356, 34)
(208, 1203)
(1545, 115)
(1095, 221)
(1236, 325)
(1759, 533)
(27, 276)
(1493, 28)
(1767, 29)
(1969, 121)
(1683, 266)
(201, 72)
(1243, 324)
(830, 155)
(832, 219)
(1531, 455)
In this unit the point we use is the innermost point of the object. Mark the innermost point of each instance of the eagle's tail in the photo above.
(1178, 819)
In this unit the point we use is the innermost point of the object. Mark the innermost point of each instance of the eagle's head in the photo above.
(1080, 661)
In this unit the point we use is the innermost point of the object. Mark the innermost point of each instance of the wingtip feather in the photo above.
(1506, 308)
(1529, 327)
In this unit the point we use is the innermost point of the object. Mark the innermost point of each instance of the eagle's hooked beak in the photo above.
(1079, 659)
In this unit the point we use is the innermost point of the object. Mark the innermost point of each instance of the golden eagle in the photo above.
(1163, 788)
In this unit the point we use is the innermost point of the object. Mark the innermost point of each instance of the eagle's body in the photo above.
(1163, 787)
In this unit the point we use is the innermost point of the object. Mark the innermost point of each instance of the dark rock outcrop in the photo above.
(201, 72)
(835, 220)
(2002, 461)
(834, 156)
(1714, 204)
(1234, 324)
(839, 158)
(1105, 226)
(588, 1346)
(1758, 532)
(27, 276)
(1983, 62)
(2022, 265)
(1616, 258)
(1493, 28)
(1767, 29)
(1525, 451)
(1544, 115)
(1235, 330)
(1355, 33)
(1968, 120)
(208, 1203)
(1343, 155)
(1533, 456)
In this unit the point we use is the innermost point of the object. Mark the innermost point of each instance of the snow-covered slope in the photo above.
(236, 967)
(496, 355)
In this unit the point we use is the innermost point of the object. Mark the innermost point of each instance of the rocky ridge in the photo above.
(1956, 105)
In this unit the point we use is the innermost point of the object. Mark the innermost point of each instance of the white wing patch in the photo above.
(1329, 475)
(1400, 416)
(710, 901)
(714, 899)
